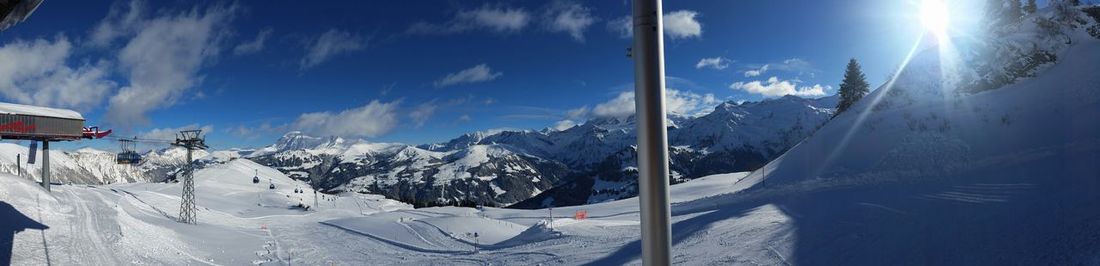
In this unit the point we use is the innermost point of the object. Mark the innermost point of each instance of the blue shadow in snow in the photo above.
(11, 223)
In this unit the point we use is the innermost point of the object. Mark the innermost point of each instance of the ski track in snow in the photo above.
(880, 213)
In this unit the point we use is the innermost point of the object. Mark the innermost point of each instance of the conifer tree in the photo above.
(853, 87)
(1014, 11)
(1031, 7)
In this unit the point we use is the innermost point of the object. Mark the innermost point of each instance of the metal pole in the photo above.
(46, 165)
(649, 97)
(19, 165)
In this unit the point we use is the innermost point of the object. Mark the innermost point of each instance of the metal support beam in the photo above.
(649, 97)
(187, 204)
(46, 165)
(190, 140)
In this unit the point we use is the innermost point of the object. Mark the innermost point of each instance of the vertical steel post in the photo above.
(187, 205)
(46, 165)
(649, 97)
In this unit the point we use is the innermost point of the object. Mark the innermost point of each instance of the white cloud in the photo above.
(718, 63)
(254, 132)
(568, 17)
(170, 133)
(422, 113)
(371, 120)
(621, 106)
(163, 57)
(577, 113)
(497, 19)
(121, 21)
(465, 118)
(677, 102)
(253, 46)
(795, 65)
(689, 103)
(475, 74)
(329, 44)
(564, 124)
(756, 72)
(624, 26)
(678, 25)
(775, 87)
(36, 72)
(682, 24)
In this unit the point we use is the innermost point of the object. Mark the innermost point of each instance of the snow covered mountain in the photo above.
(505, 167)
(732, 138)
(485, 174)
(94, 167)
(83, 166)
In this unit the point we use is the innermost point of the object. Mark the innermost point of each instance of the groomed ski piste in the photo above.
(245, 223)
(1006, 176)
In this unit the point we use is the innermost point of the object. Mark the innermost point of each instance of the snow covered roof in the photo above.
(19, 109)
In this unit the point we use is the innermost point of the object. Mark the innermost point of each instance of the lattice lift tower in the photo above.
(191, 140)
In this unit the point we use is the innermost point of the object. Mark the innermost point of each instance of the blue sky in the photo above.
(422, 71)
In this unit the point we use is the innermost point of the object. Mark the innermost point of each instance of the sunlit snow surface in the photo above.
(1007, 176)
(243, 223)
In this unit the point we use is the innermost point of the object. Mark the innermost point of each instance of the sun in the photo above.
(935, 17)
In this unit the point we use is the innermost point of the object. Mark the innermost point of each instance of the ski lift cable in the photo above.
(146, 140)
(137, 139)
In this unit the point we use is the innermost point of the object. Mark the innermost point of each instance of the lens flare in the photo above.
(935, 17)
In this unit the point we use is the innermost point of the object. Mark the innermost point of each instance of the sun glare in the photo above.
(935, 17)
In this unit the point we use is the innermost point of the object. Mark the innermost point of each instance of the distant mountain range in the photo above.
(588, 163)
(591, 162)
(91, 166)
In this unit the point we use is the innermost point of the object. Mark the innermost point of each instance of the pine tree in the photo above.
(853, 87)
(1014, 11)
(994, 12)
(1031, 7)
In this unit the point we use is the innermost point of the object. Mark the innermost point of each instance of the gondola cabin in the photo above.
(128, 155)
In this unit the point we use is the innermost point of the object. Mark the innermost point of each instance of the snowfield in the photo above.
(924, 176)
(245, 223)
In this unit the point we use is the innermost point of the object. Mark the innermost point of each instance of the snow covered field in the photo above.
(245, 223)
(1005, 176)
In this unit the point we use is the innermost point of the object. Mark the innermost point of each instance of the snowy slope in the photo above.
(484, 174)
(734, 137)
(239, 222)
(133, 224)
(84, 166)
(502, 167)
(1002, 176)
(929, 175)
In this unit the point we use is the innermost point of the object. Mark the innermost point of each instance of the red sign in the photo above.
(17, 126)
(581, 215)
